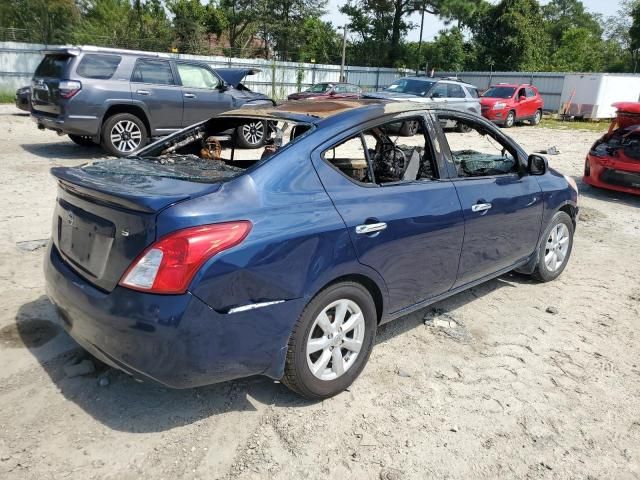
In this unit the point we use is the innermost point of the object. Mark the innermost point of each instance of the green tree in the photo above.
(321, 42)
(579, 50)
(447, 52)
(106, 23)
(560, 16)
(190, 25)
(46, 21)
(511, 36)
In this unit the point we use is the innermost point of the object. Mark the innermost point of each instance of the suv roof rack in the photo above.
(77, 49)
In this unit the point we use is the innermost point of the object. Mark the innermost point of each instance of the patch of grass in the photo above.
(7, 96)
(556, 123)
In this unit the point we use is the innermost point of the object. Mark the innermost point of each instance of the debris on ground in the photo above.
(32, 245)
(84, 367)
(549, 151)
(390, 474)
(103, 381)
(403, 373)
(552, 310)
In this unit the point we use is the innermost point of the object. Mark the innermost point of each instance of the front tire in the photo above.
(252, 134)
(82, 140)
(123, 134)
(510, 121)
(331, 341)
(555, 248)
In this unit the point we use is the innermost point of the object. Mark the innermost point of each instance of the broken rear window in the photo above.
(209, 152)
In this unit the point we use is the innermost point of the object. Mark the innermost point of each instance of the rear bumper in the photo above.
(85, 125)
(175, 340)
(612, 174)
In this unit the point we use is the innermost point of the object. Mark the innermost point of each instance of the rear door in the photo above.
(406, 222)
(456, 97)
(202, 93)
(502, 205)
(45, 92)
(154, 84)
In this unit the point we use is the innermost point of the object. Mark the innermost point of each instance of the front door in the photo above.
(502, 205)
(202, 93)
(153, 84)
(404, 221)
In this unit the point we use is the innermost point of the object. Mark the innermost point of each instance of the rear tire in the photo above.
(555, 248)
(536, 118)
(331, 341)
(82, 140)
(123, 134)
(252, 134)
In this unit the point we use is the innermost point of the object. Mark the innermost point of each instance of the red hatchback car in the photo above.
(614, 160)
(505, 104)
(323, 91)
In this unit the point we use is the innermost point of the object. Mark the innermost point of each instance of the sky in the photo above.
(432, 25)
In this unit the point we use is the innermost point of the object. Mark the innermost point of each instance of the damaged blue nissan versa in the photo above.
(194, 262)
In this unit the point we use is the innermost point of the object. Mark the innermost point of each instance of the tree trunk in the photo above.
(395, 30)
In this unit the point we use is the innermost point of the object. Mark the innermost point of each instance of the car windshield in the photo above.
(499, 92)
(410, 86)
(319, 88)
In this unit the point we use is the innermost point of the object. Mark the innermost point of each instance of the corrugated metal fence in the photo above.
(18, 61)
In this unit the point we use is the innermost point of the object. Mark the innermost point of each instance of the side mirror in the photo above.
(222, 86)
(522, 98)
(537, 165)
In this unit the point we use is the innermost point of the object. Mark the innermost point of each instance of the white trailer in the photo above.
(590, 95)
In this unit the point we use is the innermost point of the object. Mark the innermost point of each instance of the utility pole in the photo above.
(420, 43)
(344, 52)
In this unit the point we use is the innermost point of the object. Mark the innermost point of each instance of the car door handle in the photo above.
(480, 207)
(370, 228)
(143, 92)
(189, 95)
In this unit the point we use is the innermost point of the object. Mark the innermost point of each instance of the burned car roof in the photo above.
(310, 111)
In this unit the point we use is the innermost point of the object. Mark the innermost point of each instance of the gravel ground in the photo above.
(495, 384)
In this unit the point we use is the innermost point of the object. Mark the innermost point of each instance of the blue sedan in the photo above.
(195, 262)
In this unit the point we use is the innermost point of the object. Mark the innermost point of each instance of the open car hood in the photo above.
(234, 76)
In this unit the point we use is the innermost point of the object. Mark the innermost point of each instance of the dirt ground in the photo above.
(491, 386)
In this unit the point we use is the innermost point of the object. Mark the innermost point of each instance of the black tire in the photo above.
(110, 127)
(542, 272)
(297, 374)
(536, 119)
(82, 140)
(463, 127)
(252, 134)
(409, 129)
(510, 120)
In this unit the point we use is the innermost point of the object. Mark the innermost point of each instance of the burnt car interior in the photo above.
(204, 153)
(489, 155)
(374, 156)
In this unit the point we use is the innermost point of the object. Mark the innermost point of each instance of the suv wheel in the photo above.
(123, 134)
(252, 134)
(510, 120)
(536, 118)
(82, 140)
(331, 341)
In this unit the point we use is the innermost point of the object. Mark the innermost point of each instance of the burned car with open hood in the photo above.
(614, 160)
(122, 99)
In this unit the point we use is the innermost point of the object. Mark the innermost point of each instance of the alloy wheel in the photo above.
(335, 339)
(253, 132)
(557, 247)
(125, 136)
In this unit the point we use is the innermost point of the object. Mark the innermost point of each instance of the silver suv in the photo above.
(121, 99)
(446, 92)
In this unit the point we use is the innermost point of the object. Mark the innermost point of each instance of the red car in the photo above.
(614, 161)
(328, 90)
(506, 104)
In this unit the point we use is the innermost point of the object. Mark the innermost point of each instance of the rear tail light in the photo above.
(169, 265)
(68, 88)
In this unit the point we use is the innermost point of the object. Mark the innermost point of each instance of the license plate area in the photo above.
(84, 239)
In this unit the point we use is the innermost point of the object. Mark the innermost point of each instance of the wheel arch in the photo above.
(127, 108)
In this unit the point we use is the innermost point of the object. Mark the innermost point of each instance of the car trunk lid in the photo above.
(105, 214)
(45, 85)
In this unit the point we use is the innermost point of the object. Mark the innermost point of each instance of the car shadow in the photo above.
(66, 150)
(607, 195)
(129, 405)
(402, 325)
